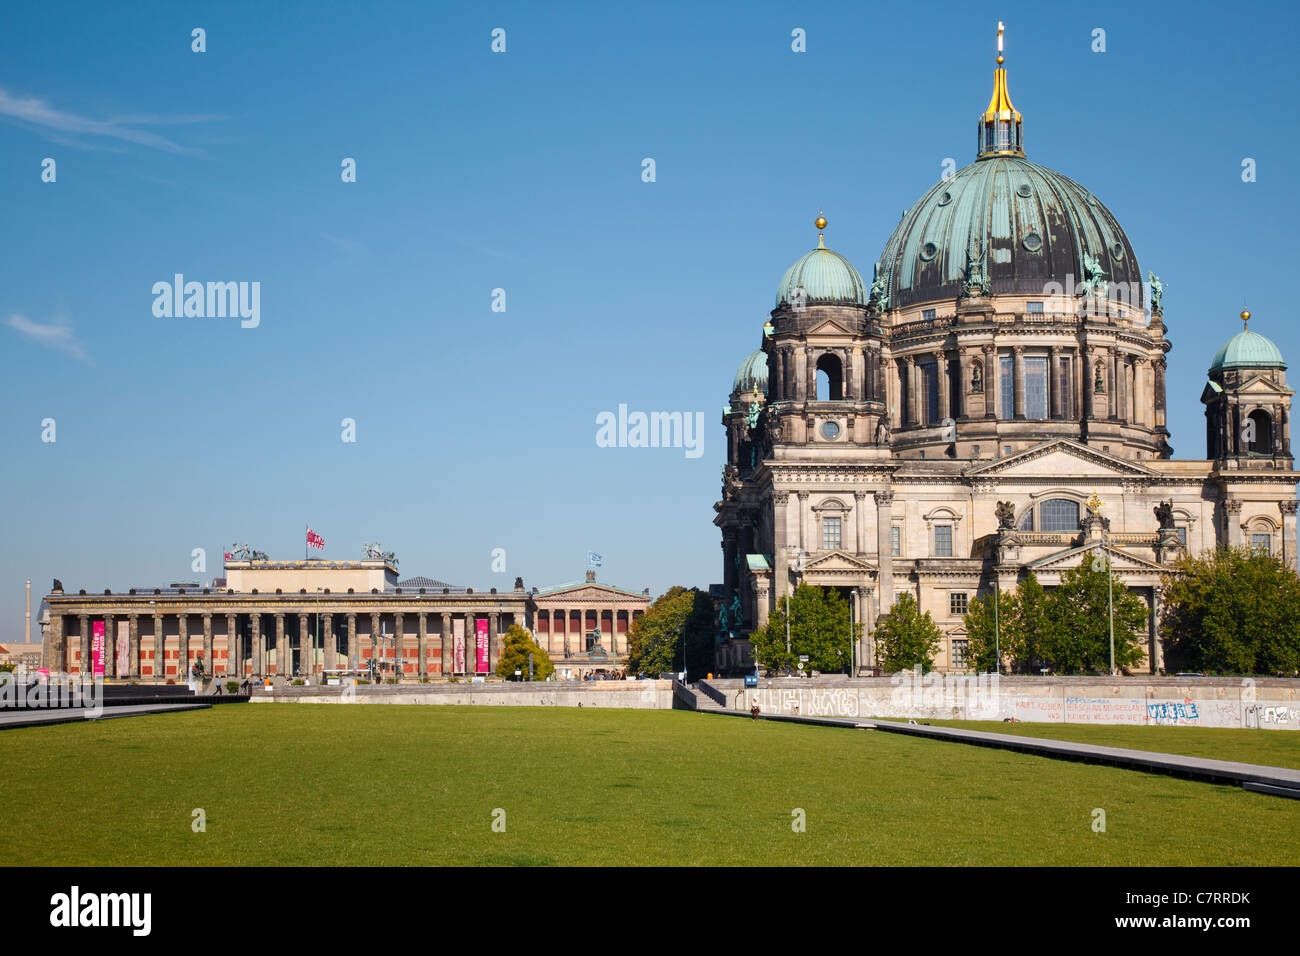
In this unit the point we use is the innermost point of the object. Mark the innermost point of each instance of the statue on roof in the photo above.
(1094, 283)
(1157, 292)
(879, 288)
(259, 556)
(1165, 515)
(975, 283)
(240, 551)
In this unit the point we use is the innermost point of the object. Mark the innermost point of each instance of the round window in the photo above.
(1033, 242)
(1117, 251)
(1024, 191)
(830, 431)
(929, 251)
(945, 199)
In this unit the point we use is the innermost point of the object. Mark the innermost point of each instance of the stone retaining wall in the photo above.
(639, 695)
(1267, 703)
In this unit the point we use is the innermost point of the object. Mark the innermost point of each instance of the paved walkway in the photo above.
(37, 716)
(1278, 781)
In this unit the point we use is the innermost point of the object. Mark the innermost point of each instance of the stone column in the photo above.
(421, 642)
(399, 644)
(1018, 387)
(1289, 543)
(57, 659)
(941, 369)
(1088, 382)
(1141, 403)
(375, 649)
(811, 363)
(963, 384)
(183, 653)
(448, 645)
(110, 646)
(208, 662)
(804, 539)
(780, 545)
(354, 656)
(778, 389)
(1114, 383)
(133, 646)
(329, 644)
(305, 642)
(860, 522)
(884, 557)
(83, 665)
(234, 660)
(1055, 412)
(259, 644)
(159, 649)
(913, 394)
(1232, 522)
(800, 377)
(494, 628)
(992, 382)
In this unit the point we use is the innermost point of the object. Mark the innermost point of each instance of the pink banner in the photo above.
(481, 646)
(97, 648)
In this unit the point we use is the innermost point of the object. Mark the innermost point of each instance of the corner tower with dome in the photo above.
(991, 403)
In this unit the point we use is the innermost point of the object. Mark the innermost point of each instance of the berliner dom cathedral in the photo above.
(990, 403)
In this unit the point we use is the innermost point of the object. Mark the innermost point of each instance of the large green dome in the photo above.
(1030, 224)
(826, 277)
(752, 374)
(1247, 350)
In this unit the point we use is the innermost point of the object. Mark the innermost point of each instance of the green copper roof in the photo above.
(1025, 225)
(1247, 350)
(751, 374)
(827, 278)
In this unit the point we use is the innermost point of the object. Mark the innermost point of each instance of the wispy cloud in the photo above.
(57, 334)
(130, 128)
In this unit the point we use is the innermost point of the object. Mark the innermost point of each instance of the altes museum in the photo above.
(990, 404)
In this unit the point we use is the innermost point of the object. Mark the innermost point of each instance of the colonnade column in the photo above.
(1018, 385)
(133, 646)
(992, 382)
(1054, 378)
(884, 555)
(159, 649)
(234, 661)
(448, 645)
(421, 649)
(353, 656)
(963, 383)
(494, 628)
(941, 369)
(281, 658)
(374, 637)
(329, 644)
(83, 666)
(258, 649)
(913, 394)
(208, 663)
(1114, 383)
(305, 645)
(110, 647)
(860, 525)
(399, 644)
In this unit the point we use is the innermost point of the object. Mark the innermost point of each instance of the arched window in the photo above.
(1027, 522)
(830, 379)
(1059, 514)
(1259, 433)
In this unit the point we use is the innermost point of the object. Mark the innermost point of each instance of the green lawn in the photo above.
(1276, 748)
(334, 784)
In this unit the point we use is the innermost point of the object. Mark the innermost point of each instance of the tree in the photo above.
(1232, 611)
(1077, 640)
(819, 628)
(906, 638)
(984, 640)
(678, 617)
(516, 645)
(1036, 625)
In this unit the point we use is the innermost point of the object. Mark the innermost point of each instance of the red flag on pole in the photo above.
(314, 540)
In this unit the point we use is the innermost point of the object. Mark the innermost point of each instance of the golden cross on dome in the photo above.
(820, 223)
(1000, 29)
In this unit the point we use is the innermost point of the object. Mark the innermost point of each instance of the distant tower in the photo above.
(1247, 404)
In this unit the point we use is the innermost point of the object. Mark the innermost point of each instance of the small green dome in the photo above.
(752, 374)
(827, 278)
(1247, 350)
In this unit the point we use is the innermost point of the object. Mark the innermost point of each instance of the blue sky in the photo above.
(476, 429)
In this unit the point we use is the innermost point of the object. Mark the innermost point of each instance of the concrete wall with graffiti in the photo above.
(1268, 704)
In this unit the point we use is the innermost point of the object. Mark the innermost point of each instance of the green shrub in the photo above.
(232, 687)
(299, 682)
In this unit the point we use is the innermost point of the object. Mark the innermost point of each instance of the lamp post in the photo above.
(1104, 558)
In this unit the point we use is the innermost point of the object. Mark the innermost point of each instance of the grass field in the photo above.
(385, 785)
(1275, 748)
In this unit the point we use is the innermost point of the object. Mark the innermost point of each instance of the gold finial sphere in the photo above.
(1245, 315)
(1000, 59)
(821, 222)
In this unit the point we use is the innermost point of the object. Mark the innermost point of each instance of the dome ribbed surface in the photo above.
(1247, 350)
(827, 278)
